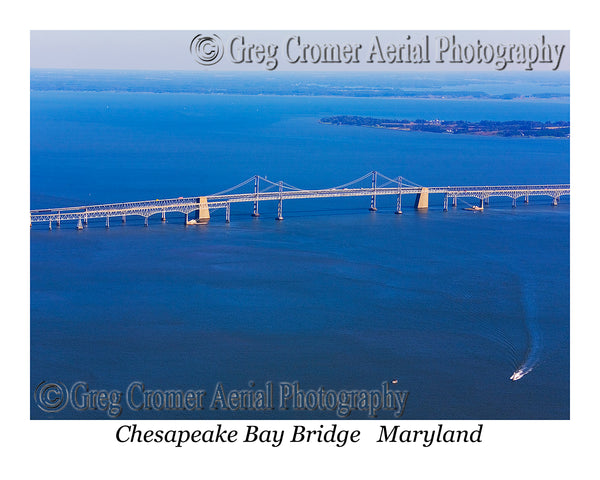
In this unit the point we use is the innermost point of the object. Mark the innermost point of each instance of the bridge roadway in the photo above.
(188, 205)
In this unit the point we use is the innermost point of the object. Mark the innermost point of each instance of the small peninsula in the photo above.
(513, 128)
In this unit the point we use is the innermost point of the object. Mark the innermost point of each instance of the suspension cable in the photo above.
(286, 185)
(251, 179)
(366, 175)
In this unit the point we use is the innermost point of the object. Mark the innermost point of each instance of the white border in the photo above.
(517, 449)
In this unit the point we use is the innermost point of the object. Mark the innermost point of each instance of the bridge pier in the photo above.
(164, 216)
(107, 222)
(398, 206)
(514, 203)
(124, 219)
(526, 198)
(186, 219)
(79, 225)
(481, 202)
(50, 225)
(446, 203)
(555, 201)
(422, 200)
(145, 221)
(454, 201)
(227, 213)
(203, 213)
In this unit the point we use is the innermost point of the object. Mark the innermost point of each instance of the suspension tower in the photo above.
(256, 188)
(280, 204)
(373, 207)
(399, 198)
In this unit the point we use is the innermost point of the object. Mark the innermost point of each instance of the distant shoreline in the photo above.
(344, 94)
(518, 87)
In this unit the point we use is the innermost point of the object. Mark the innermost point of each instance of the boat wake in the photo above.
(534, 347)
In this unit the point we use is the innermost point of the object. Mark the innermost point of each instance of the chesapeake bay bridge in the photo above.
(266, 190)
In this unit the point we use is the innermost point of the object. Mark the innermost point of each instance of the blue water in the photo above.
(449, 304)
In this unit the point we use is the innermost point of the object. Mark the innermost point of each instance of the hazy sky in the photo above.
(170, 50)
